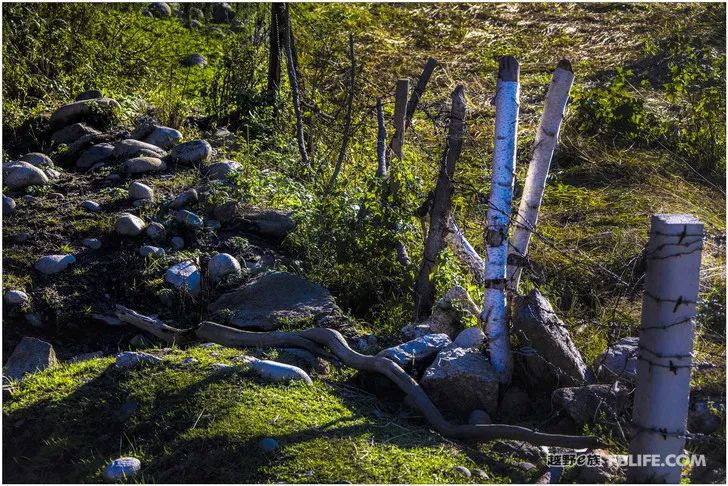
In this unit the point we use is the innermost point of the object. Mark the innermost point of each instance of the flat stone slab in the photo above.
(417, 349)
(269, 300)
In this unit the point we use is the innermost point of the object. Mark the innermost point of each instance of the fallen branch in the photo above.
(314, 339)
(464, 251)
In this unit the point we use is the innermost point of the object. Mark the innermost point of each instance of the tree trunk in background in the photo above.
(400, 112)
(419, 90)
(424, 294)
(381, 141)
(274, 52)
(347, 119)
(293, 80)
(494, 314)
(538, 169)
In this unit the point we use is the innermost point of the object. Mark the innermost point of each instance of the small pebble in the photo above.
(268, 444)
(463, 470)
(92, 206)
(92, 243)
(147, 250)
(177, 243)
(122, 468)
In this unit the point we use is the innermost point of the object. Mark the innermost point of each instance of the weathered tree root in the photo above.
(314, 339)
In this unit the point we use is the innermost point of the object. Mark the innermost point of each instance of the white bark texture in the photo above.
(464, 251)
(662, 392)
(494, 314)
(538, 169)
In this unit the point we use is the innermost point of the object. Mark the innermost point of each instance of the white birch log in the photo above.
(400, 111)
(538, 169)
(499, 211)
(667, 330)
(464, 251)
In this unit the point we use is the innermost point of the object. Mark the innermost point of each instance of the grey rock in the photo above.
(463, 471)
(222, 12)
(417, 349)
(140, 165)
(189, 361)
(584, 404)
(71, 133)
(705, 417)
(84, 110)
(147, 250)
(177, 243)
(197, 14)
(188, 218)
(37, 159)
(194, 24)
(164, 137)
(52, 173)
(130, 148)
(461, 381)
(618, 361)
(222, 367)
(92, 243)
(130, 359)
(28, 199)
(91, 206)
(192, 152)
(129, 225)
(481, 474)
(268, 444)
(471, 337)
(187, 197)
(137, 190)
(221, 265)
(51, 264)
(122, 468)
(21, 237)
(608, 470)
(367, 342)
(30, 355)
(194, 60)
(221, 170)
(18, 175)
(274, 371)
(554, 360)
(139, 341)
(479, 417)
(94, 154)
(264, 222)
(185, 276)
(16, 297)
(160, 9)
(8, 205)
(147, 13)
(272, 298)
(156, 231)
(90, 94)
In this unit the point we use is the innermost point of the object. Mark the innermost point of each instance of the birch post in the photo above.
(400, 111)
(667, 329)
(494, 313)
(424, 294)
(538, 169)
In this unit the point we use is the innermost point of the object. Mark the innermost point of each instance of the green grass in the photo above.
(195, 425)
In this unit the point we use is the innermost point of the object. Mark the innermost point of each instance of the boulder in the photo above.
(553, 359)
(185, 276)
(471, 337)
(462, 380)
(221, 265)
(156, 231)
(129, 225)
(126, 149)
(705, 417)
(618, 361)
(123, 468)
(586, 403)
(264, 222)
(16, 297)
(444, 314)
(51, 264)
(188, 218)
(94, 111)
(160, 9)
(18, 175)
(416, 350)
(222, 12)
(30, 355)
(90, 94)
(221, 170)
(274, 371)
(37, 159)
(137, 190)
(8, 205)
(130, 359)
(163, 137)
(92, 243)
(140, 165)
(187, 197)
(270, 299)
(94, 154)
(192, 152)
(91, 206)
(71, 133)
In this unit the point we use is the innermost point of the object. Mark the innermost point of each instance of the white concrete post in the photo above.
(538, 169)
(400, 111)
(499, 211)
(662, 392)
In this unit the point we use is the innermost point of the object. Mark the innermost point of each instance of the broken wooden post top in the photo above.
(669, 219)
(565, 64)
(508, 69)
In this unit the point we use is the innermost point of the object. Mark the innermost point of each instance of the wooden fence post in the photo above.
(538, 169)
(662, 393)
(400, 111)
(422, 81)
(494, 313)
